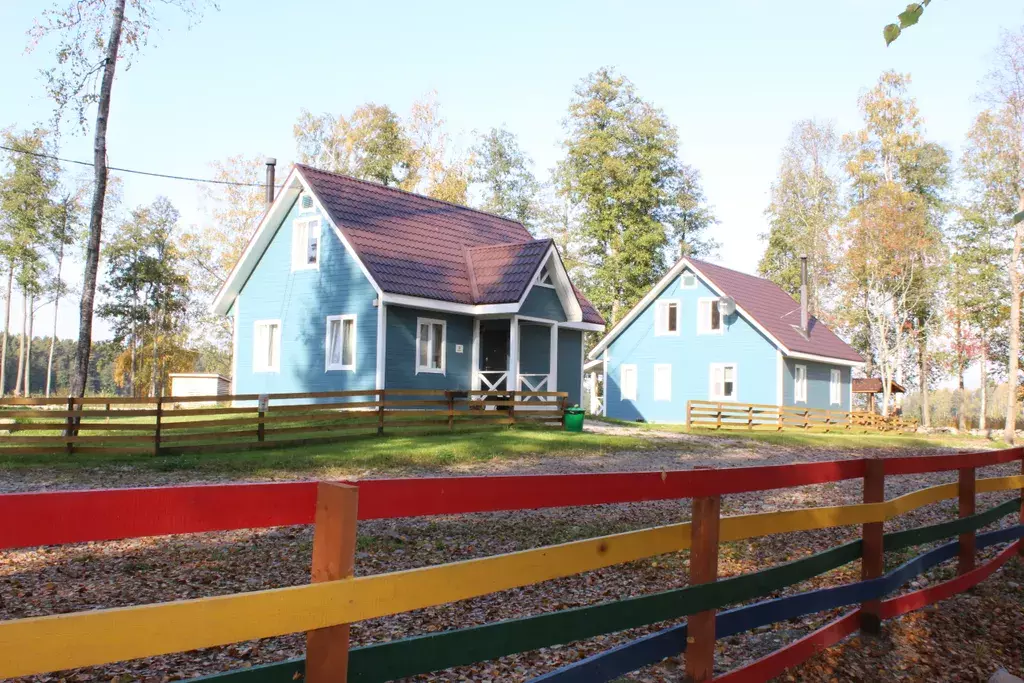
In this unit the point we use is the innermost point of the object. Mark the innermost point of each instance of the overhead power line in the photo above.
(152, 174)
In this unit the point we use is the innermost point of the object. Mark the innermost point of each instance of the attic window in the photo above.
(689, 281)
(545, 278)
(306, 244)
(305, 202)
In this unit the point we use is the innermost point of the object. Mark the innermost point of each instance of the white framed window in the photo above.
(340, 346)
(835, 387)
(800, 384)
(305, 243)
(688, 281)
(662, 382)
(709, 317)
(306, 203)
(627, 382)
(723, 382)
(431, 336)
(266, 346)
(666, 318)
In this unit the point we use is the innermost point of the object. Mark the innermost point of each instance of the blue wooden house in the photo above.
(710, 333)
(349, 285)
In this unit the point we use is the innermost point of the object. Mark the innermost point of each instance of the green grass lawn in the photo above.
(421, 449)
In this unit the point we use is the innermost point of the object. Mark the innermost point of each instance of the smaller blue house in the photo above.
(710, 333)
(350, 285)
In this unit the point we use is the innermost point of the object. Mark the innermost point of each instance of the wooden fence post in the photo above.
(380, 413)
(159, 417)
(872, 564)
(689, 418)
(450, 397)
(334, 553)
(750, 417)
(968, 542)
(262, 403)
(512, 409)
(700, 647)
(71, 431)
(1022, 504)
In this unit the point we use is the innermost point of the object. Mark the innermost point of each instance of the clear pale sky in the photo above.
(733, 76)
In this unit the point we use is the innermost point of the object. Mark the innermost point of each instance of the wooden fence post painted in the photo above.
(334, 552)
(700, 648)
(159, 418)
(968, 541)
(872, 564)
(381, 395)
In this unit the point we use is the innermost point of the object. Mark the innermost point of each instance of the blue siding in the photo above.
(543, 302)
(400, 339)
(534, 349)
(818, 378)
(570, 372)
(690, 355)
(302, 300)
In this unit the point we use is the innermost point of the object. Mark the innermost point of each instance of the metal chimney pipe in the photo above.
(804, 322)
(271, 163)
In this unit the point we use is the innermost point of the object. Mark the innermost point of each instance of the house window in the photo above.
(689, 281)
(266, 346)
(627, 382)
(662, 382)
(306, 243)
(430, 341)
(341, 342)
(835, 387)
(723, 382)
(666, 318)
(800, 384)
(709, 317)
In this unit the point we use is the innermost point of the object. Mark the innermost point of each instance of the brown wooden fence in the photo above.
(765, 417)
(179, 424)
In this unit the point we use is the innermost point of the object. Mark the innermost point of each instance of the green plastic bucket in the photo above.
(574, 419)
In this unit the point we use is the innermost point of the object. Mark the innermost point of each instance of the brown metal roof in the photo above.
(419, 246)
(778, 313)
(873, 385)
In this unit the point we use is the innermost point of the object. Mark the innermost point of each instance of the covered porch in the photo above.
(515, 353)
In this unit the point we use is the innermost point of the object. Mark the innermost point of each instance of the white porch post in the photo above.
(474, 381)
(592, 390)
(604, 385)
(513, 354)
(553, 360)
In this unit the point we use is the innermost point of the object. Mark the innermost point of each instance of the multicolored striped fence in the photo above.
(337, 598)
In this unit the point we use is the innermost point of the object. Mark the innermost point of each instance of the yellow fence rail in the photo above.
(767, 417)
(180, 424)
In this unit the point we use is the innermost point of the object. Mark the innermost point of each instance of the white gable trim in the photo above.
(268, 227)
(826, 359)
(563, 286)
(670, 276)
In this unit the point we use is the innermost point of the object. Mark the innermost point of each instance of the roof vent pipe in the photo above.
(803, 295)
(271, 162)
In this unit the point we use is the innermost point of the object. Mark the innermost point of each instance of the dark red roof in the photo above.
(777, 312)
(424, 247)
(873, 385)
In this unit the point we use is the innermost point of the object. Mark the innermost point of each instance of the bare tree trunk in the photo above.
(56, 305)
(21, 347)
(1009, 431)
(156, 362)
(7, 323)
(982, 417)
(28, 345)
(92, 251)
(961, 416)
(922, 352)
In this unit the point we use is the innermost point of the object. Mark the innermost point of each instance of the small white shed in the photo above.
(199, 384)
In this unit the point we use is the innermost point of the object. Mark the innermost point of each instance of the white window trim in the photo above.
(735, 381)
(704, 324)
(663, 380)
(312, 204)
(444, 346)
(257, 364)
(622, 384)
(835, 387)
(682, 280)
(661, 317)
(545, 270)
(328, 367)
(299, 259)
(799, 387)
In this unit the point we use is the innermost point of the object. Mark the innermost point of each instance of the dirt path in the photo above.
(87, 576)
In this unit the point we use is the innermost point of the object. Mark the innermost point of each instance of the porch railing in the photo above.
(493, 380)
